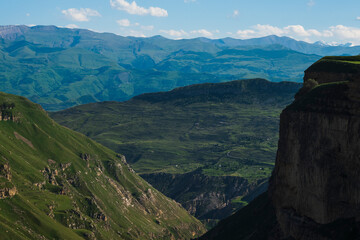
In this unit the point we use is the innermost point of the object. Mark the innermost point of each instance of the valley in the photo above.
(176, 137)
(210, 147)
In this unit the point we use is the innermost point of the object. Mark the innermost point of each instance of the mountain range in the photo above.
(59, 67)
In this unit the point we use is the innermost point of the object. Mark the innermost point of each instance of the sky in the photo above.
(330, 21)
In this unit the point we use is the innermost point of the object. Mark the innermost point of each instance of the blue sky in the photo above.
(308, 20)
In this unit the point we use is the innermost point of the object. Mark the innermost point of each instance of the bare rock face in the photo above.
(5, 171)
(317, 172)
(7, 192)
(7, 189)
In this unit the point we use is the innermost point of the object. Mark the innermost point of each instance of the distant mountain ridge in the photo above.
(15, 32)
(60, 67)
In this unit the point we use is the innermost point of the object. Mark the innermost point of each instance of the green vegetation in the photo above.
(58, 184)
(336, 64)
(59, 68)
(225, 129)
(197, 135)
(312, 99)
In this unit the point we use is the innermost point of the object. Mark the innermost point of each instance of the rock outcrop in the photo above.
(334, 69)
(7, 113)
(314, 191)
(316, 177)
(206, 197)
(7, 189)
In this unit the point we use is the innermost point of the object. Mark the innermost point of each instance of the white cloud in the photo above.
(127, 23)
(28, 14)
(123, 22)
(339, 33)
(295, 31)
(178, 34)
(311, 3)
(133, 8)
(135, 33)
(235, 13)
(357, 18)
(343, 32)
(175, 33)
(147, 28)
(72, 26)
(80, 15)
(299, 30)
(202, 32)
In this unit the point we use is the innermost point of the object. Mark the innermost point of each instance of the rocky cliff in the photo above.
(314, 191)
(315, 181)
(207, 197)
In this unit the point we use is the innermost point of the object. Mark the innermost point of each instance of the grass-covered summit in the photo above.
(58, 184)
(336, 64)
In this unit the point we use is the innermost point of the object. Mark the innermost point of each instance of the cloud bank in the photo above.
(339, 32)
(80, 15)
(133, 8)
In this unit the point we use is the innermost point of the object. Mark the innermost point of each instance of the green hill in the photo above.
(214, 133)
(58, 184)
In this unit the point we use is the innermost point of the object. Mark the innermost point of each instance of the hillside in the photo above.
(58, 184)
(60, 68)
(193, 142)
(314, 190)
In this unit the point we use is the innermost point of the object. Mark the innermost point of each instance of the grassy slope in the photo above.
(101, 186)
(336, 64)
(225, 129)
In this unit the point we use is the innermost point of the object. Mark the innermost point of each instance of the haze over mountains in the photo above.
(60, 67)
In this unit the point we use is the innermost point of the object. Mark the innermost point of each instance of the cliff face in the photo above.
(314, 191)
(206, 197)
(316, 177)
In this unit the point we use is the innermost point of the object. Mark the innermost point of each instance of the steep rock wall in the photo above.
(317, 173)
(206, 197)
